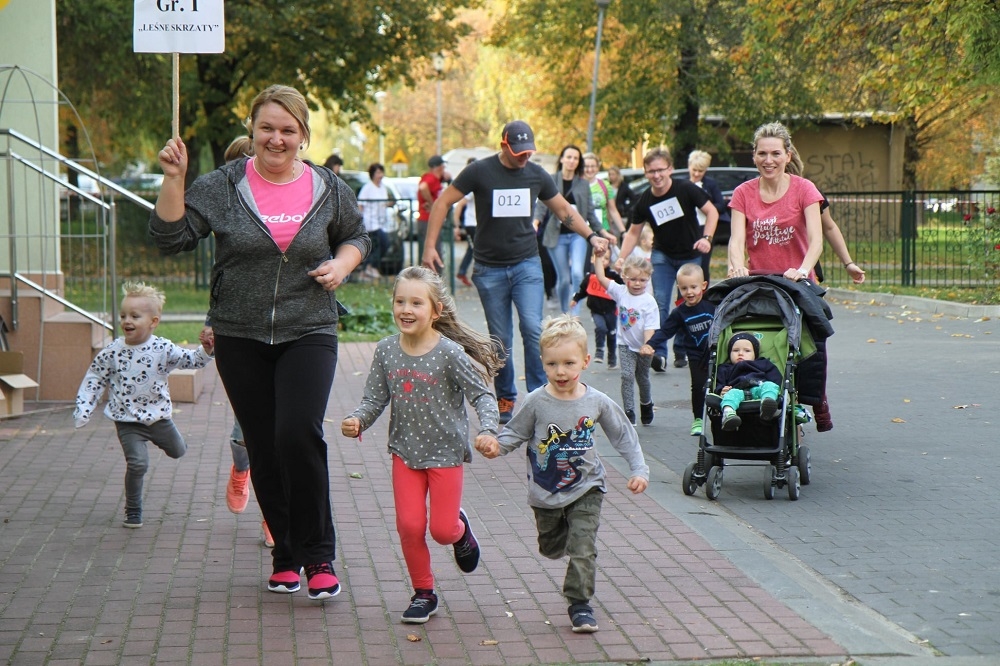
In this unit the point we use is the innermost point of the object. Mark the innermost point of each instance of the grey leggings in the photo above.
(636, 366)
(133, 438)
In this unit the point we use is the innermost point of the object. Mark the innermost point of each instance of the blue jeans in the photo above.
(523, 287)
(664, 279)
(568, 258)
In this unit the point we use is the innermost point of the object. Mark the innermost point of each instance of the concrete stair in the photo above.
(58, 344)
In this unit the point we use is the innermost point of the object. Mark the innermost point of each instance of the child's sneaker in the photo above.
(466, 548)
(238, 490)
(730, 420)
(506, 406)
(323, 583)
(268, 539)
(284, 582)
(133, 519)
(658, 363)
(680, 361)
(630, 415)
(646, 413)
(696, 427)
(768, 408)
(423, 604)
(612, 360)
(599, 356)
(582, 617)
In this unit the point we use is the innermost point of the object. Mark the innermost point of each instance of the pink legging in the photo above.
(410, 488)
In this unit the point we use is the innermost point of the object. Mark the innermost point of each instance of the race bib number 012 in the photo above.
(665, 211)
(512, 203)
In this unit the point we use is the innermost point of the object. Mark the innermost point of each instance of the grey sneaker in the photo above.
(133, 520)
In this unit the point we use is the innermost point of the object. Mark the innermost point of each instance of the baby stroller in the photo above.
(761, 305)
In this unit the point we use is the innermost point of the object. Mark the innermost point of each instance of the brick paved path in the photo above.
(75, 587)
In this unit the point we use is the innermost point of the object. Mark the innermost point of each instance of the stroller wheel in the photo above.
(805, 465)
(792, 474)
(689, 484)
(770, 480)
(713, 486)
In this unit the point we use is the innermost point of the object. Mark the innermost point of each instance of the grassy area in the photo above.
(370, 318)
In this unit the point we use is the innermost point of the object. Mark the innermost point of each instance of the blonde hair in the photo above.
(773, 131)
(562, 328)
(646, 233)
(141, 290)
(486, 351)
(794, 166)
(658, 153)
(637, 263)
(241, 146)
(691, 270)
(288, 98)
(592, 156)
(699, 159)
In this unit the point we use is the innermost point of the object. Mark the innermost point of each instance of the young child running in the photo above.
(134, 369)
(425, 373)
(604, 312)
(691, 319)
(567, 480)
(638, 319)
(747, 377)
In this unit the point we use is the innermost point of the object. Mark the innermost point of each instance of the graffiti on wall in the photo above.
(843, 172)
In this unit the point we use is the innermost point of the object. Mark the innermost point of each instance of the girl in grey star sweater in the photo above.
(426, 375)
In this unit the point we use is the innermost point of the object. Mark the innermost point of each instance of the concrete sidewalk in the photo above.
(189, 587)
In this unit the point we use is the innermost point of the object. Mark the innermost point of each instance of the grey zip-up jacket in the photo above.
(258, 291)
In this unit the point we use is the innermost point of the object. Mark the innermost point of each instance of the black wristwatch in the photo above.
(592, 235)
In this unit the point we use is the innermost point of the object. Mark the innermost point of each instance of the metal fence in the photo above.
(939, 239)
(936, 239)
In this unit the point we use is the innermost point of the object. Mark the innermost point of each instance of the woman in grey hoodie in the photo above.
(287, 233)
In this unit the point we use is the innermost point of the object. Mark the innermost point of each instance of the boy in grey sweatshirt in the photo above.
(568, 480)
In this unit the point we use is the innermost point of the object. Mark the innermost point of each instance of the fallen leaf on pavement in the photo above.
(872, 340)
(906, 399)
(898, 420)
(960, 407)
(413, 638)
(960, 335)
(489, 641)
(356, 475)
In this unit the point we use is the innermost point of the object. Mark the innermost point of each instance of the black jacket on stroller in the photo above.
(743, 298)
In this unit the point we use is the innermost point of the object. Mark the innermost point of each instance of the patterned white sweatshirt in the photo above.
(136, 379)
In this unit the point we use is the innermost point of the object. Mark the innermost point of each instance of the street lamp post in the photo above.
(379, 98)
(601, 6)
(439, 68)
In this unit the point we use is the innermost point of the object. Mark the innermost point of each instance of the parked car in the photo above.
(727, 178)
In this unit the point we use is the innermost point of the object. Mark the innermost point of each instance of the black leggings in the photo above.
(279, 394)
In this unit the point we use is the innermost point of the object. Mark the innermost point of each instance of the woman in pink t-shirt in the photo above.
(776, 221)
(775, 218)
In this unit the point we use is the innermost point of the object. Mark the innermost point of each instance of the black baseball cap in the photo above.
(518, 137)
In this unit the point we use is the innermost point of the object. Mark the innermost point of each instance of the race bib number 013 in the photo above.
(665, 211)
(512, 203)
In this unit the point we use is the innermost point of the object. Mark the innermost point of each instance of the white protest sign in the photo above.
(179, 26)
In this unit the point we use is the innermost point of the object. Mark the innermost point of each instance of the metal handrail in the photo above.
(62, 301)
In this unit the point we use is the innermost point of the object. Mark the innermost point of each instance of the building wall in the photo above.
(848, 158)
(28, 104)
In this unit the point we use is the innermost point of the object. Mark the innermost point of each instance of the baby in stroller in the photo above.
(746, 377)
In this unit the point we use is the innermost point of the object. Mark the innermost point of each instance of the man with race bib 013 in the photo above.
(669, 208)
(508, 271)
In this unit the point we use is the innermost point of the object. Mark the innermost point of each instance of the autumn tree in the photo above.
(339, 52)
(666, 66)
(902, 62)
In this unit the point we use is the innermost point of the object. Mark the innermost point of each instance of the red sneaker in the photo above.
(323, 583)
